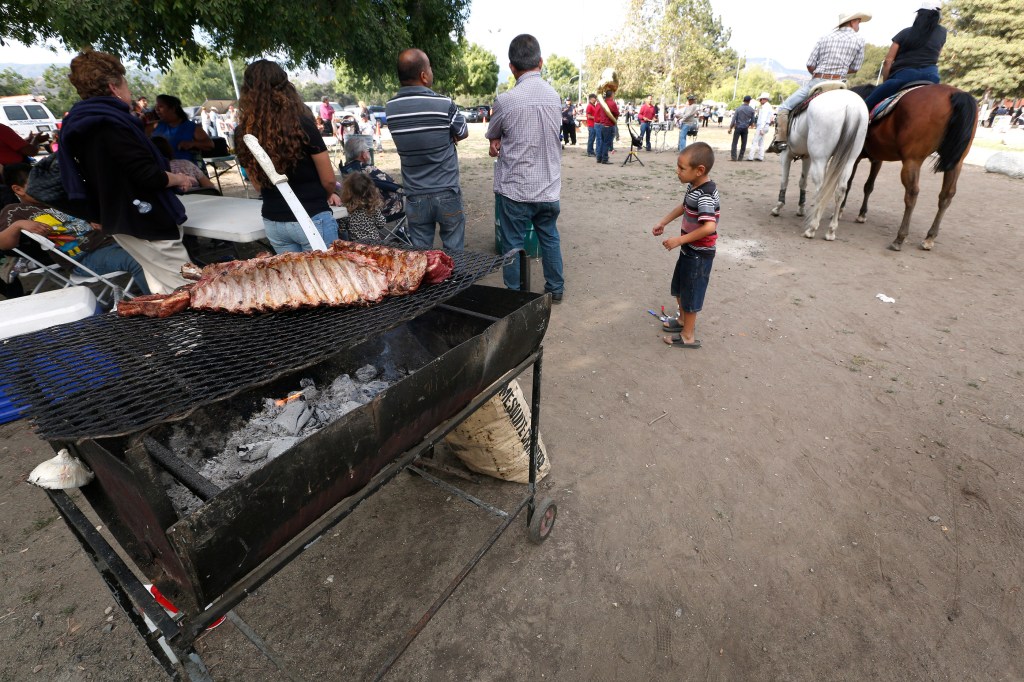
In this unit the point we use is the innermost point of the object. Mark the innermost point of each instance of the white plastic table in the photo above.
(228, 218)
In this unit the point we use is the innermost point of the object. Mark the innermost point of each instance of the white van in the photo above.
(26, 116)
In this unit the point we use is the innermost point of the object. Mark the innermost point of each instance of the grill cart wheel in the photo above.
(543, 520)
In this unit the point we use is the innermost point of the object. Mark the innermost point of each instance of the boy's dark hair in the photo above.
(700, 154)
(524, 52)
(16, 174)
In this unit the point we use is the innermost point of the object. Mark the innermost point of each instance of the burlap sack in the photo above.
(495, 440)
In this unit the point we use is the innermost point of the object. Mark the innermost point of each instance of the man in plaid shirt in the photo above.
(524, 134)
(834, 56)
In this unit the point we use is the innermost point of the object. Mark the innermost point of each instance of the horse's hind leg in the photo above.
(817, 177)
(786, 161)
(911, 177)
(946, 195)
(803, 187)
(869, 187)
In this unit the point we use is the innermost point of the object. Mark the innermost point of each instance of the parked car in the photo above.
(26, 116)
(485, 110)
(377, 111)
(471, 115)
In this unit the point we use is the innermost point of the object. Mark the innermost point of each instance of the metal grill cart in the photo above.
(113, 389)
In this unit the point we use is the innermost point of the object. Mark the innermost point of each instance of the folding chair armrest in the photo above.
(44, 243)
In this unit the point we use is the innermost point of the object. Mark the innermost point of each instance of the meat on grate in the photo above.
(347, 274)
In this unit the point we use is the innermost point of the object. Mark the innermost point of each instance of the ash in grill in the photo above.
(273, 430)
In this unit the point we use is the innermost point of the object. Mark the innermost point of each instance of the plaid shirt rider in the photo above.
(837, 53)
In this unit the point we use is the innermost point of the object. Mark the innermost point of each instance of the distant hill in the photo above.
(26, 70)
(781, 72)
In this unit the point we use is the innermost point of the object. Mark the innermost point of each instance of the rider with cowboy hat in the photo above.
(835, 55)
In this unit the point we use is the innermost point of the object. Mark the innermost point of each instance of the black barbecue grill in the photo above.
(113, 389)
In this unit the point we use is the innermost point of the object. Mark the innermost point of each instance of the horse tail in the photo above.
(849, 147)
(959, 132)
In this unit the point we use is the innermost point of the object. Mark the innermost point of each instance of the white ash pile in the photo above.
(276, 428)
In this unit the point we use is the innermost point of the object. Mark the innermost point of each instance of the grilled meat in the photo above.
(155, 305)
(406, 269)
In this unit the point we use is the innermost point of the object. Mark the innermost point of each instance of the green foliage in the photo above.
(353, 87)
(197, 82)
(752, 81)
(365, 33)
(12, 83)
(874, 55)
(669, 48)
(560, 73)
(481, 75)
(984, 51)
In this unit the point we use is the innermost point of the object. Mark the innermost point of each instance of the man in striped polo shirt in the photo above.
(425, 127)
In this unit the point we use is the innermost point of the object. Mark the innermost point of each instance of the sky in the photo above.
(564, 28)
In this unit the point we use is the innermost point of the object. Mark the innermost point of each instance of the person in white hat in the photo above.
(913, 55)
(764, 123)
(835, 56)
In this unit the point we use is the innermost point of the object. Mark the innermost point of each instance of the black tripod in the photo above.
(635, 143)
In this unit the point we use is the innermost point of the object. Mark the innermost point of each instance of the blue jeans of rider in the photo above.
(897, 80)
(443, 208)
(516, 217)
(645, 133)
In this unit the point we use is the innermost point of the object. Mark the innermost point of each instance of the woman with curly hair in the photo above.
(114, 176)
(271, 109)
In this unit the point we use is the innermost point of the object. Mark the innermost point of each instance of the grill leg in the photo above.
(534, 431)
(524, 271)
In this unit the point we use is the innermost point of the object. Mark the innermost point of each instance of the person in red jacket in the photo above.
(604, 125)
(591, 115)
(646, 116)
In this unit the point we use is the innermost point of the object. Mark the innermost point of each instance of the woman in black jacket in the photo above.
(116, 177)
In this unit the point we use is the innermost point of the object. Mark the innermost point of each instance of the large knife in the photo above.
(281, 182)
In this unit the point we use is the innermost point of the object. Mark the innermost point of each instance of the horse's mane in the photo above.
(863, 90)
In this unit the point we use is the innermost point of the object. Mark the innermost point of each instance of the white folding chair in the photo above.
(110, 292)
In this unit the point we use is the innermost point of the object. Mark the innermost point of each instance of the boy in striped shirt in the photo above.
(700, 212)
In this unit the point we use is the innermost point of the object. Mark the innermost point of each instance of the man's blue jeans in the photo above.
(645, 133)
(602, 142)
(516, 217)
(443, 208)
(591, 140)
(684, 131)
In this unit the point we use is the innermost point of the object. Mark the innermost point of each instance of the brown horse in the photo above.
(934, 118)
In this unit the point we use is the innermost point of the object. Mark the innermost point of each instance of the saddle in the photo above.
(886, 106)
(819, 89)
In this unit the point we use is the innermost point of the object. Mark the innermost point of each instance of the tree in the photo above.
(559, 72)
(752, 81)
(481, 74)
(874, 55)
(13, 83)
(366, 33)
(985, 47)
(668, 48)
(196, 83)
(61, 95)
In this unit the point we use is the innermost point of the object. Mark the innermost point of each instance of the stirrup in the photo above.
(777, 147)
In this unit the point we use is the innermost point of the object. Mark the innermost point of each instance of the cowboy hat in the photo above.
(845, 17)
(764, 95)
(933, 5)
(691, 97)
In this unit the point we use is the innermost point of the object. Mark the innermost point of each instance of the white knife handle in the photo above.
(261, 158)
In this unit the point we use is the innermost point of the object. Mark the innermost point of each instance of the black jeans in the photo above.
(738, 134)
(569, 133)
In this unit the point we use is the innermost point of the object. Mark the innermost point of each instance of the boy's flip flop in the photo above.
(676, 341)
(672, 325)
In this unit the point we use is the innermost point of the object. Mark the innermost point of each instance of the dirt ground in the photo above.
(831, 488)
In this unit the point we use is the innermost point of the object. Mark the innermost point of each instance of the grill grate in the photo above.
(108, 375)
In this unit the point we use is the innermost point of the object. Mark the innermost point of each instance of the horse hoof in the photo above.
(927, 244)
(800, 212)
(862, 219)
(775, 212)
(809, 234)
(830, 236)
(895, 246)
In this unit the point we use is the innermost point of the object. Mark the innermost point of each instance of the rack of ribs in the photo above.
(347, 274)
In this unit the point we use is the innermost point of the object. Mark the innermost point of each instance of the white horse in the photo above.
(827, 137)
